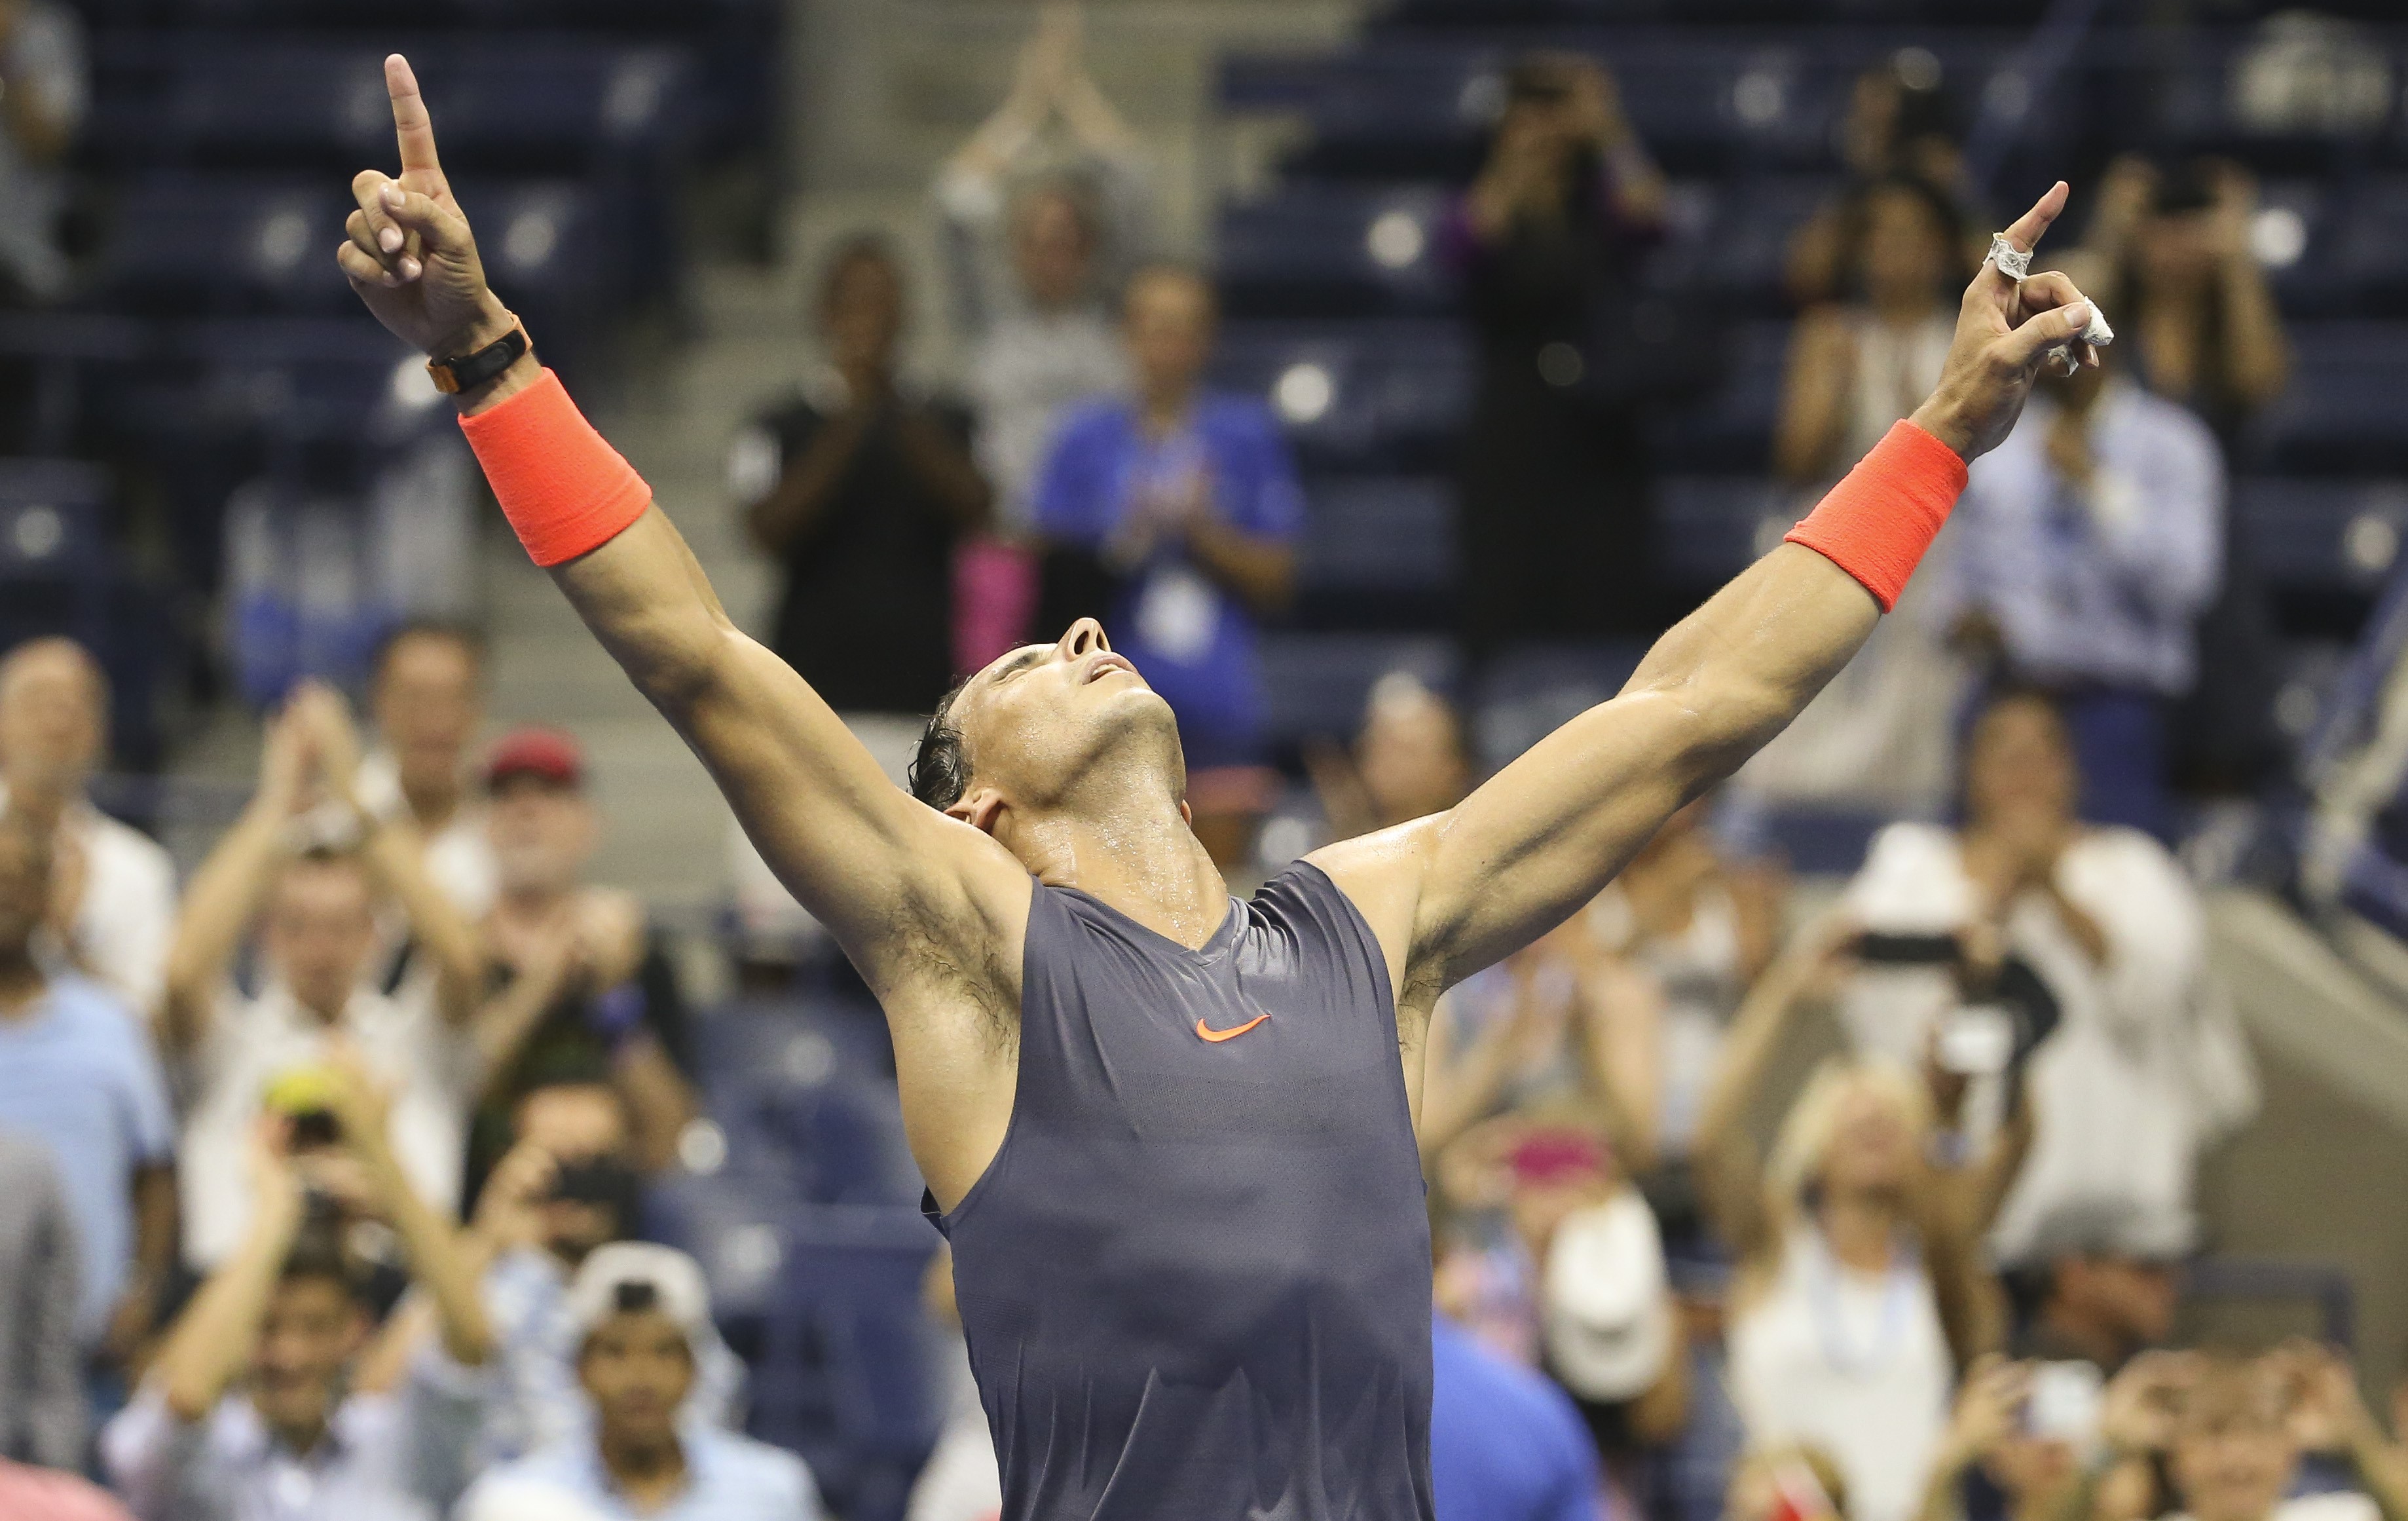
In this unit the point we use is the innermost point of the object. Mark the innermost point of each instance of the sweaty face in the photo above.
(637, 1369)
(321, 930)
(1046, 719)
(52, 723)
(310, 1330)
(2020, 757)
(426, 707)
(542, 834)
(1169, 330)
(1051, 248)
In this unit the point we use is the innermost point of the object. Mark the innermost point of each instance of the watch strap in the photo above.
(471, 370)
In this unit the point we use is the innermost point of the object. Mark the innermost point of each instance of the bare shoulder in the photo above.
(1381, 874)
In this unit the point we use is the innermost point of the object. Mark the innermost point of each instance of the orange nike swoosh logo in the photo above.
(1216, 1037)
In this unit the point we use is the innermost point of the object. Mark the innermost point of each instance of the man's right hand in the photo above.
(409, 254)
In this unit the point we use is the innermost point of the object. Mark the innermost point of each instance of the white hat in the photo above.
(1608, 1313)
(626, 1275)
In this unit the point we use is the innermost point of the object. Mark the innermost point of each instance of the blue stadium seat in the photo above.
(1383, 394)
(1328, 249)
(1525, 693)
(2346, 410)
(1378, 549)
(55, 568)
(1315, 683)
(1732, 428)
(2322, 536)
(1710, 528)
(228, 242)
(2368, 259)
(1744, 245)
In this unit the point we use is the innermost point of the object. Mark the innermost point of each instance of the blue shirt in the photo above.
(1505, 1444)
(2097, 583)
(727, 1478)
(1192, 641)
(77, 1073)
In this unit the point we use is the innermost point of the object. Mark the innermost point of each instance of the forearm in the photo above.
(219, 907)
(1259, 571)
(154, 1229)
(438, 1265)
(501, 1029)
(398, 868)
(807, 486)
(659, 1101)
(212, 1341)
(2257, 360)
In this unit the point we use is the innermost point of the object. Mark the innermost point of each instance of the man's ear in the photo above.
(979, 810)
(1186, 814)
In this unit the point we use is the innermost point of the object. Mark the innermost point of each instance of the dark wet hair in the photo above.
(941, 771)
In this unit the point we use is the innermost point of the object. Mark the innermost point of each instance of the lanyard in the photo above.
(1899, 1285)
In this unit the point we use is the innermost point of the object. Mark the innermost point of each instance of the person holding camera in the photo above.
(2028, 1428)
(641, 1319)
(307, 865)
(251, 1408)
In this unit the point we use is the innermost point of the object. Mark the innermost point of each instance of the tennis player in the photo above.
(1171, 1134)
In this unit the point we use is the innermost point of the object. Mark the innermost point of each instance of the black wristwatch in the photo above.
(469, 371)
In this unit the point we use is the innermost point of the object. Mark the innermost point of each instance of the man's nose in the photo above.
(1083, 637)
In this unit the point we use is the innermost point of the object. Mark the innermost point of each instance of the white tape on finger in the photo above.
(2015, 264)
(2012, 262)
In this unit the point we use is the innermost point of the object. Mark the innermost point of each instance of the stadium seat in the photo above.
(54, 563)
(2346, 410)
(1332, 250)
(1384, 393)
(1316, 685)
(1732, 428)
(1710, 528)
(1379, 550)
(1525, 693)
(226, 243)
(2368, 260)
(2322, 537)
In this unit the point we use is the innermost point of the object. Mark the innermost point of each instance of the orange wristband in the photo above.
(1877, 524)
(564, 488)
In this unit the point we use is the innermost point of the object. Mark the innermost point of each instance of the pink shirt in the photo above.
(32, 1494)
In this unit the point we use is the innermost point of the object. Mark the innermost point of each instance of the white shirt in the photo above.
(2147, 1065)
(1854, 1363)
(400, 1456)
(430, 1066)
(459, 856)
(126, 922)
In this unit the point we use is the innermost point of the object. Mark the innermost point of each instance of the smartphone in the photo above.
(1906, 949)
(1976, 1039)
(2063, 1404)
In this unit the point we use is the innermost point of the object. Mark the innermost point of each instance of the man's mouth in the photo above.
(1098, 665)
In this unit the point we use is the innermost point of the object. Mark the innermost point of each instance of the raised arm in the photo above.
(877, 868)
(225, 893)
(1455, 892)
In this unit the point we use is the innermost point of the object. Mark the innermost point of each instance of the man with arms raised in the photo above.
(1171, 1134)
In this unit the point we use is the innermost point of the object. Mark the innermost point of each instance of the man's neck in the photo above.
(433, 802)
(1146, 862)
(22, 983)
(647, 1471)
(42, 801)
(1166, 411)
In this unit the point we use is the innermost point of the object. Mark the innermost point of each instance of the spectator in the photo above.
(1036, 243)
(1705, 928)
(1505, 1444)
(283, 1319)
(427, 693)
(1409, 762)
(2031, 1449)
(2148, 1067)
(2171, 255)
(564, 1192)
(581, 985)
(309, 882)
(2228, 1434)
(1879, 735)
(47, 80)
(76, 1073)
(1860, 1287)
(1902, 122)
(1555, 522)
(2088, 545)
(861, 495)
(44, 1494)
(641, 1313)
(113, 904)
(41, 1283)
(2106, 1292)
(1175, 515)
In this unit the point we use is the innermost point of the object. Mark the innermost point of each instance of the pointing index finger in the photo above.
(410, 123)
(2025, 235)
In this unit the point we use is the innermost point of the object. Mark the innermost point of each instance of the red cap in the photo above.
(548, 754)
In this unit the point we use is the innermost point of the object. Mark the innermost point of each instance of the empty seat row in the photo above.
(687, 18)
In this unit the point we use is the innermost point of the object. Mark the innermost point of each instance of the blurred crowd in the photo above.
(322, 1167)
